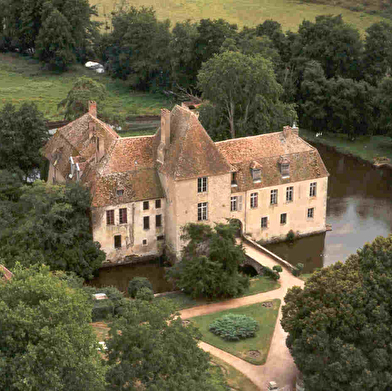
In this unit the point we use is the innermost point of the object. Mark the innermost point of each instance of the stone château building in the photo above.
(144, 189)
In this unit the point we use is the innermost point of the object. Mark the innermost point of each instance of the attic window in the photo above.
(233, 179)
(256, 174)
(120, 192)
(284, 167)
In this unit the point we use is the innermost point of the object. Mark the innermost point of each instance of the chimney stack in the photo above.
(165, 127)
(92, 108)
(287, 131)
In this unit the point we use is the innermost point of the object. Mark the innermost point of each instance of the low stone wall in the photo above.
(257, 246)
(132, 259)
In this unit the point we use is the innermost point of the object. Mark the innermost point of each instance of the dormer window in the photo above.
(255, 169)
(284, 167)
(120, 192)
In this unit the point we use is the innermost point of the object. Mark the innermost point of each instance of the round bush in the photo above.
(145, 293)
(233, 327)
(277, 268)
(137, 283)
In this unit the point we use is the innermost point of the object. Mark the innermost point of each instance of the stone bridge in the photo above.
(251, 262)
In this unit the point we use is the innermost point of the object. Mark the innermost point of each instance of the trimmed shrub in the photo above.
(277, 268)
(290, 236)
(298, 269)
(232, 327)
(268, 272)
(145, 293)
(137, 283)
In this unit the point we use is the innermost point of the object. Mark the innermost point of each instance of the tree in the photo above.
(339, 325)
(22, 133)
(54, 44)
(382, 101)
(138, 50)
(377, 56)
(149, 348)
(209, 265)
(46, 342)
(245, 90)
(84, 90)
(51, 225)
(138, 283)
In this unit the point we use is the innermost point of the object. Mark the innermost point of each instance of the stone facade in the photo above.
(145, 189)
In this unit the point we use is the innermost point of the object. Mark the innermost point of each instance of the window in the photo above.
(264, 222)
(310, 213)
(274, 197)
(158, 221)
(283, 218)
(289, 193)
(256, 175)
(120, 192)
(157, 204)
(144, 242)
(117, 241)
(123, 216)
(253, 200)
(233, 179)
(284, 170)
(202, 211)
(236, 203)
(202, 184)
(313, 187)
(146, 222)
(110, 217)
(146, 205)
(160, 237)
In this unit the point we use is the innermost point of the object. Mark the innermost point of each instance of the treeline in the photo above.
(337, 81)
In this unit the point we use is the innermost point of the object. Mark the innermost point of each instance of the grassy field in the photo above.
(266, 317)
(244, 13)
(257, 285)
(23, 80)
(365, 147)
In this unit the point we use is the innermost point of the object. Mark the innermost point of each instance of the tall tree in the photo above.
(22, 133)
(54, 44)
(245, 90)
(209, 265)
(51, 226)
(382, 101)
(149, 348)
(339, 325)
(46, 342)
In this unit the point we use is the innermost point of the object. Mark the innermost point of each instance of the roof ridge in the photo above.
(135, 137)
(247, 137)
(104, 124)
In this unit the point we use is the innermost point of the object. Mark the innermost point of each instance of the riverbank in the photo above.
(368, 148)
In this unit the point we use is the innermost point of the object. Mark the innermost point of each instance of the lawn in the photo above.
(244, 12)
(254, 350)
(22, 79)
(365, 147)
(258, 284)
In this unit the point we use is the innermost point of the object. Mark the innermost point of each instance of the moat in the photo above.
(359, 208)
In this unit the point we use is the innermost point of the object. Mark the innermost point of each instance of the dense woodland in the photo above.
(325, 75)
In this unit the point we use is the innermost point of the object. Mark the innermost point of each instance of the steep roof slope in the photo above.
(191, 152)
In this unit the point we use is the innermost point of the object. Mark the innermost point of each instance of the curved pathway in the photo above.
(279, 366)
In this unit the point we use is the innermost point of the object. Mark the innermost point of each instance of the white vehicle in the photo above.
(95, 66)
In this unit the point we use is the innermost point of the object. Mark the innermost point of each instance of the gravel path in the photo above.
(279, 366)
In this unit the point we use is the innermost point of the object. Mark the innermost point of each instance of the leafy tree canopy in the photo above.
(84, 90)
(339, 325)
(50, 224)
(46, 342)
(244, 90)
(149, 348)
(209, 265)
(22, 134)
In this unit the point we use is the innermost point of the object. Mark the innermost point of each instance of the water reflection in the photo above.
(359, 208)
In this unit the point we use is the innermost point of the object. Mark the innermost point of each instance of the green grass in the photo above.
(242, 12)
(305, 277)
(258, 284)
(235, 379)
(22, 79)
(365, 147)
(266, 317)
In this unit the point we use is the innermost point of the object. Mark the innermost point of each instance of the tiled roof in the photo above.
(191, 153)
(269, 151)
(142, 184)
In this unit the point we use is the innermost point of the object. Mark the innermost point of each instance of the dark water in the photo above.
(119, 276)
(359, 208)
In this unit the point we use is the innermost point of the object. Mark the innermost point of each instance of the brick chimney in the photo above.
(165, 127)
(287, 131)
(92, 107)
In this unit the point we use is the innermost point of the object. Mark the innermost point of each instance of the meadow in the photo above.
(249, 13)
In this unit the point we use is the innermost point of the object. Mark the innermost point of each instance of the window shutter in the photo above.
(239, 202)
